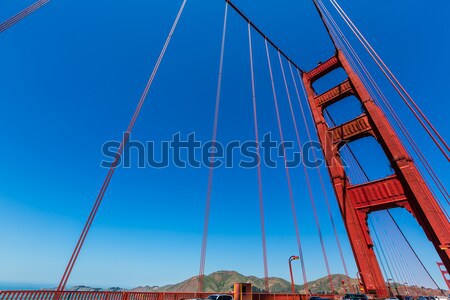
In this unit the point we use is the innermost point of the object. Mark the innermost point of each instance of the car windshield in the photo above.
(356, 297)
(213, 297)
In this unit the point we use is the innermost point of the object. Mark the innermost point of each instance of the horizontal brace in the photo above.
(351, 130)
(337, 93)
(323, 69)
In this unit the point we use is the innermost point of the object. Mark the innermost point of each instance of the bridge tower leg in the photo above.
(406, 188)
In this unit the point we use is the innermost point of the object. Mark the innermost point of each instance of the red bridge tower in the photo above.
(406, 188)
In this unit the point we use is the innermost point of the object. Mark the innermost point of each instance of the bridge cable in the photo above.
(396, 267)
(339, 8)
(211, 166)
(322, 184)
(381, 252)
(412, 249)
(390, 237)
(387, 236)
(403, 129)
(396, 238)
(351, 151)
(412, 105)
(288, 175)
(21, 15)
(400, 249)
(374, 98)
(405, 132)
(105, 185)
(392, 246)
(308, 181)
(411, 141)
(260, 185)
(392, 261)
(260, 32)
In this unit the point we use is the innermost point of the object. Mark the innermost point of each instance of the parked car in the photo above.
(392, 298)
(355, 297)
(220, 297)
(318, 298)
(408, 298)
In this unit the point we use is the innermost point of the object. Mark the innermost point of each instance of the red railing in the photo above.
(72, 295)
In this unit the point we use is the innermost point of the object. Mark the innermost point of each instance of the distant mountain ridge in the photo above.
(222, 281)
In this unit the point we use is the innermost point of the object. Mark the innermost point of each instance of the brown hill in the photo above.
(223, 281)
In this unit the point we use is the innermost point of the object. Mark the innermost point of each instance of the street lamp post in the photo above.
(395, 285)
(389, 287)
(406, 288)
(293, 257)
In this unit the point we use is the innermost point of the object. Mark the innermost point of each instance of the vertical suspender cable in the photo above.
(378, 252)
(288, 175)
(392, 261)
(322, 184)
(392, 250)
(105, 185)
(391, 110)
(420, 116)
(211, 167)
(400, 248)
(344, 49)
(380, 246)
(402, 127)
(260, 187)
(21, 15)
(308, 181)
(412, 249)
(347, 18)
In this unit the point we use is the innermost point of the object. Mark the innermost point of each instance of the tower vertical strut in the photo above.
(406, 188)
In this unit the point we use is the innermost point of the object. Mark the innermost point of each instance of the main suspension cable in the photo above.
(412, 105)
(355, 157)
(344, 42)
(260, 32)
(112, 169)
(21, 15)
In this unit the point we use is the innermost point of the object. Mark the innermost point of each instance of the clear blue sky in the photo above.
(70, 77)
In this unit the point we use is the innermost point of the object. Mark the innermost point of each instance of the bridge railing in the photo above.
(101, 295)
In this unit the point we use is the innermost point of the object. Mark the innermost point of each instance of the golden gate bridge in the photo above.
(409, 187)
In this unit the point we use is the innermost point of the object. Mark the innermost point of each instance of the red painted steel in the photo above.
(445, 274)
(335, 94)
(76, 295)
(406, 188)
